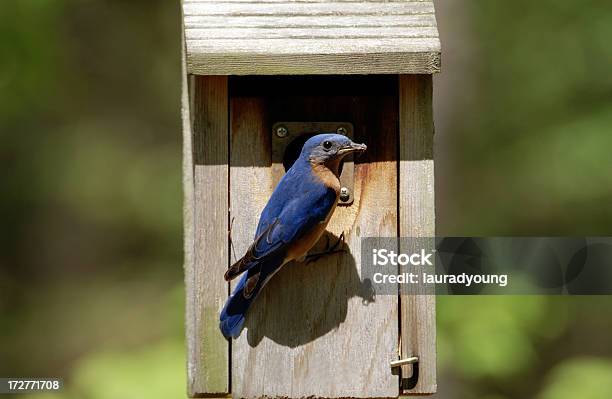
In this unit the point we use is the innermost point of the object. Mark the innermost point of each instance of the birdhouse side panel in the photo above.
(205, 172)
(417, 219)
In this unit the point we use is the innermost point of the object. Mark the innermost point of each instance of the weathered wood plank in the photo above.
(296, 21)
(417, 219)
(314, 46)
(300, 1)
(188, 224)
(317, 64)
(315, 330)
(310, 9)
(312, 32)
(311, 37)
(206, 241)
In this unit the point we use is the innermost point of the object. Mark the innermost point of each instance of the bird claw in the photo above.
(229, 236)
(329, 250)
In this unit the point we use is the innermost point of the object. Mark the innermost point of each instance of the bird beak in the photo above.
(353, 147)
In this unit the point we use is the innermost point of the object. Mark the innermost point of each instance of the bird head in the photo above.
(329, 149)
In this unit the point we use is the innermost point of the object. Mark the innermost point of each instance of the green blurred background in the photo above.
(91, 259)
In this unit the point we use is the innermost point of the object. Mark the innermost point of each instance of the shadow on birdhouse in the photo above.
(293, 315)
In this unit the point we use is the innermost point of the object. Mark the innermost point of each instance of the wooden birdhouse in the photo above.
(258, 79)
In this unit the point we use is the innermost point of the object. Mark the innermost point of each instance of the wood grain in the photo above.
(301, 1)
(306, 22)
(312, 32)
(310, 37)
(315, 330)
(417, 219)
(188, 224)
(310, 9)
(206, 222)
(317, 64)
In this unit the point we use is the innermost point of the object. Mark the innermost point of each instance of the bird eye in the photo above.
(327, 145)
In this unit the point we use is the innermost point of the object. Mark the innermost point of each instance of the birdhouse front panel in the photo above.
(313, 327)
(317, 330)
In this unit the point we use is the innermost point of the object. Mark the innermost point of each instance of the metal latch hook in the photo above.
(410, 382)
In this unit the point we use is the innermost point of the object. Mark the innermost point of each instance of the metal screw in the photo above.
(341, 130)
(281, 131)
(344, 194)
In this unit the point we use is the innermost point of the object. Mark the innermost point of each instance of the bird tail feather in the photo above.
(233, 315)
(234, 312)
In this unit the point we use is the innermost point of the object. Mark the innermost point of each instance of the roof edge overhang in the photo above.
(310, 37)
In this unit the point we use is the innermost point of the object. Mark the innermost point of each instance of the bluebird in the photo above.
(291, 223)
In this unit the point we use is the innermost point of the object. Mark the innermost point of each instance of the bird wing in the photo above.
(297, 217)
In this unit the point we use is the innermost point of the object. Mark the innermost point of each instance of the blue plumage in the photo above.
(290, 224)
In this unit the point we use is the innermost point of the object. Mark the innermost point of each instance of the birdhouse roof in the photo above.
(287, 37)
